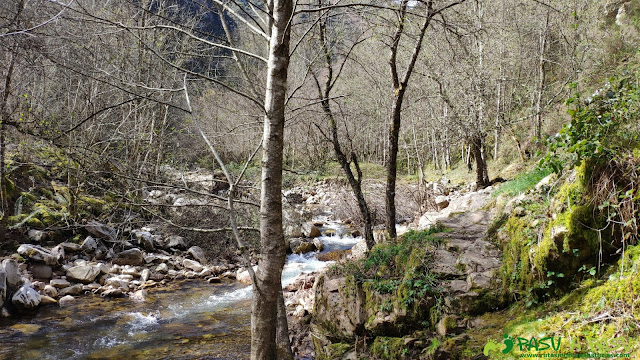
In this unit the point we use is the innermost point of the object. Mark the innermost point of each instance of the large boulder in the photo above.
(145, 239)
(175, 242)
(129, 257)
(71, 290)
(12, 272)
(70, 247)
(3, 287)
(41, 271)
(339, 308)
(197, 253)
(84, 274)
(39, 254)
(66, 300)
(37, 236)
(101, 230)
(59, 283)
(310, 230)
(192, 265)
(89, 245)
(302, 246)
(26, 298)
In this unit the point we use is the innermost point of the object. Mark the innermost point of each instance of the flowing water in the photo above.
(187, 320)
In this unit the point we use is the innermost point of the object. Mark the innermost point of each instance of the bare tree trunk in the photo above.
(4, 118)
(264, 309)
(324, 94)
(482, 175)
(399, 90)
(541, 77)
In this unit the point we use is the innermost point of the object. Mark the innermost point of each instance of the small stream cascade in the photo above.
(188, 320)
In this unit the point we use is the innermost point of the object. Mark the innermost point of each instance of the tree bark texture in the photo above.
(264, 310)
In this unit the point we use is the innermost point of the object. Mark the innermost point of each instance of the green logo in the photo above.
(492, 346)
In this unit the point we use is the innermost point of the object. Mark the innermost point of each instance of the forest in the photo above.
(319, 179)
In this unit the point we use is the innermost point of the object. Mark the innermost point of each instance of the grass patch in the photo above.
(523, 182)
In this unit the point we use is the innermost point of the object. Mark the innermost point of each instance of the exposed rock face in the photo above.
(198, 254)
(26, 298)
(339, 306)
(129, 257)
(39, 254)
(84, 274)
(464, 264)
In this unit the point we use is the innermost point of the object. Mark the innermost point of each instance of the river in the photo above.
(185, 320)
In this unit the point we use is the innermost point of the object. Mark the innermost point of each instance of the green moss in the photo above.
(334, 351)
(388, 348)
(92, 205)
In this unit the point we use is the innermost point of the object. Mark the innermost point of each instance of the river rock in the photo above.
(144, 275)
(89, 245)
(162, 268)
(104, 268)
(130, 270)
(71, 290)
(101, 230)
(36, 236)
(214, 280)
(111, 292)
(244, 277)
(192, 265)
(117, 283)
(318, 244)
(301, 246)
(139, 296)
(145, 239)
(26, 298)
(50, 291)
(12, 272)
(175, 242)
(70, 247)
(441, 201)
(38, 254)
(40, 271)
(129, 257)
(84, 274)
(47, 300)
(66, 300)
(198, 254)
(311, 231)
(3, 287)
(59, 283)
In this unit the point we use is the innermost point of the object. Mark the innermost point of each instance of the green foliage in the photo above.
(602, 126)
